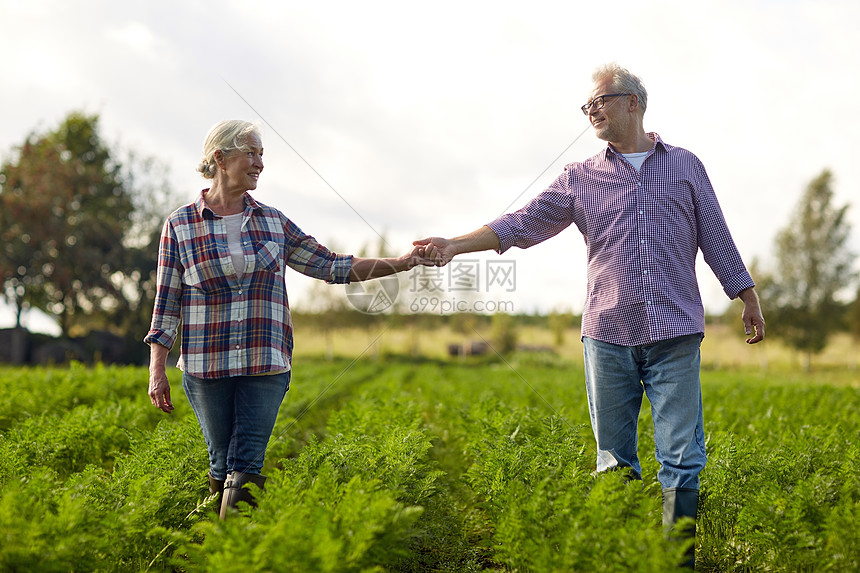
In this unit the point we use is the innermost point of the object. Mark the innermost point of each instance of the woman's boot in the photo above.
(235, 490)
(216, 486)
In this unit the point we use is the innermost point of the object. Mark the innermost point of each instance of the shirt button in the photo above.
(237, 347)
(644, 272)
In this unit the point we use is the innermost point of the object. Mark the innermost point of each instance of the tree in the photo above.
(854, 316)
(814, 263)
(558, 323)
(504, 333)
(75, 236)
(146, 181)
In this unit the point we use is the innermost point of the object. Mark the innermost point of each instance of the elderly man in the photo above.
(645, 209)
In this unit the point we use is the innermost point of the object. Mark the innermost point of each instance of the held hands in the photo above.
(418, 256)
(436, 249)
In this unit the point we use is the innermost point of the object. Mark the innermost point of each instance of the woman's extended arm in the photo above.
(366, 269)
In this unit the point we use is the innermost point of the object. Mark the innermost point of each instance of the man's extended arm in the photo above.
(443, 250)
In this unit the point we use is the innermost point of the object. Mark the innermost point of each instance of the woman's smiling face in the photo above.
(242, 168)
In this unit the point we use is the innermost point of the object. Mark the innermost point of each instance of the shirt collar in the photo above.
(203, 209)
(658, 143)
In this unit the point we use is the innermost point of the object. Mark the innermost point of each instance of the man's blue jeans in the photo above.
(668, 373)
(237, 416)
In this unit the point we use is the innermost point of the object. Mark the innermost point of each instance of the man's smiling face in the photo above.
(612, 121)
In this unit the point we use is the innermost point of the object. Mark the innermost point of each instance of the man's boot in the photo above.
(681, 502)
(236, 490)
(216, 486)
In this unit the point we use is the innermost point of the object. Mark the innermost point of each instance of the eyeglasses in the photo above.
(598, 103)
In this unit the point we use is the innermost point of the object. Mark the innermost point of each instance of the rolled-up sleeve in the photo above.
(166, 310)
(340, 268)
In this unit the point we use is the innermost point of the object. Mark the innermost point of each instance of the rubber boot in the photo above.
(236, 490)
(681, 502)
(216, 486)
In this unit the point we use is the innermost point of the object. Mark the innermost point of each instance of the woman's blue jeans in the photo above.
(237, 416)
(668, 373)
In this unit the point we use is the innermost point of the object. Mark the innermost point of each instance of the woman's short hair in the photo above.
(623, 82)
(225, 136)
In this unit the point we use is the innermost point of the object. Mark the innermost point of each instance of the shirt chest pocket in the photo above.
(268, 256)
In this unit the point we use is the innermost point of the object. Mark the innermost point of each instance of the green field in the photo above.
(393, 463)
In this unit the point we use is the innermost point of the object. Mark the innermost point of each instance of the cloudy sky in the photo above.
(406, 119)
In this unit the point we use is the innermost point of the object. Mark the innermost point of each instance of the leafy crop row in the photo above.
(402, 465)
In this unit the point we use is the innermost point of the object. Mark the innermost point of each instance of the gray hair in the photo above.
(225, 136)
(623, 81)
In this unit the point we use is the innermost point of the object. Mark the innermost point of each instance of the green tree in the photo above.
(146, 181)
(504, 329)
(814, 263)
(559, 322)
(76, 238)
(854, 316)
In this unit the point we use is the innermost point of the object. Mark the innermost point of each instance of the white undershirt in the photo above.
(234, 241)
(636, 159)
(234, 245)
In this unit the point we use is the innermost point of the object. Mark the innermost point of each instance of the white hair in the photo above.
(623, 81)
(225, 136)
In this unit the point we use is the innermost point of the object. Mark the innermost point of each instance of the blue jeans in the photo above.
(668, 373)
(237, 416)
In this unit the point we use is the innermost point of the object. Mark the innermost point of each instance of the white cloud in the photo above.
(136, 37)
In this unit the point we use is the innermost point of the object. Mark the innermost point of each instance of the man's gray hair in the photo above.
(623, 82)
(225, 136)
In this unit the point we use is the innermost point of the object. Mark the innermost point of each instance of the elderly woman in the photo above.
(221, 264)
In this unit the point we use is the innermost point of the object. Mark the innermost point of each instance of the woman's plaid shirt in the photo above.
(232, 326)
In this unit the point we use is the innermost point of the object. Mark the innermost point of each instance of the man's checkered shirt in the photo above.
(643, 230)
